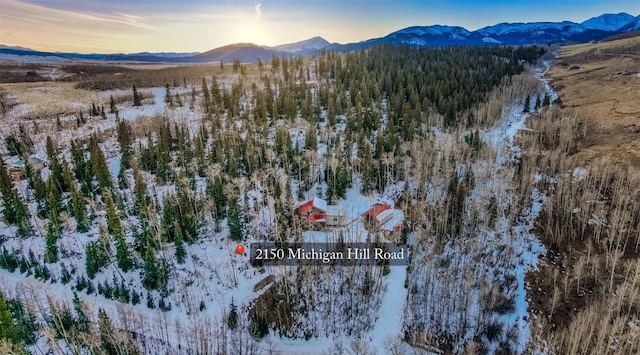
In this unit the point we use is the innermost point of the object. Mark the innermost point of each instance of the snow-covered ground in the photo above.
(475, 288)
(445, 294)
(213, 276)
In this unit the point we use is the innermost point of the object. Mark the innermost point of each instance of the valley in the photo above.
(484, 194)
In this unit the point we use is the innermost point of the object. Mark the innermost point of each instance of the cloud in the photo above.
(20, 10)
(258, 11)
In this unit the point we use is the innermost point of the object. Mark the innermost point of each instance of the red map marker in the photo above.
(240, 249)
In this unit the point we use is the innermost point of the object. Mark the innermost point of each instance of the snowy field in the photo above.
(444, 294)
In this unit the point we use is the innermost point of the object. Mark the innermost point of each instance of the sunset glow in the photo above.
(198, 25)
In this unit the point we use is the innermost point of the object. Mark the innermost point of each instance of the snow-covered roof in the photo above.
(376, 209)
(335, 211)
(384, 215)
(395, 221)
(35, 159)
(20, 162)
(314, 203)
(319, 203)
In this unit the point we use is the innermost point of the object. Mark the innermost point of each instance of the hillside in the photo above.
(585, 292)
(497, 184)
(600, 82)
(146, 192)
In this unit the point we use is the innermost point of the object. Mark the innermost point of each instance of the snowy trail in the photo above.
(453, 285)
(502, 139)
(388, 327)
(389, 324)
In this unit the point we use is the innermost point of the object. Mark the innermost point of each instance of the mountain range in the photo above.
(595, 28)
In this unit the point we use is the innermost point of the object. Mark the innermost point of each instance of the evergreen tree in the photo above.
(112, 105)
(107, 334)
(25, 322)
(232, 318)
(99, 166)
(168, 99)
(538, 103)
(54, 165)
(95, 258)
(234, 221)
(527, 104)
(22, 217)
(215, 189)
(205, 95)
(547, 100)
(82, 321)
(492, 211)
(367, 170)
(135, 298)
(125, 140)
(7, 194)
(310, 139)
(140, 191)
(150, 303)
(14, 146)
(79, 162)
(94, 110)
(113, 220)
(67, 176)
(155, 273)
(78, 207)
(192, 102)
(54, 201)
(8, 329)
(179, 244)
(137, 97)
(39, 192)
(6, 185)
(51, 251)
(170, 218)
(123, 255)
(25, 140)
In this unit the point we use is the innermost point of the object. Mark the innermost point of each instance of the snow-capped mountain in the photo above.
(538, 28)
(541, 32)
(608, 22)
(490, 40)
(634, 25)
(595, 28)
(436, 35)
(311, 44)
(436, 30)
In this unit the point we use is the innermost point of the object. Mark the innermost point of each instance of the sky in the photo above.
(126, 26)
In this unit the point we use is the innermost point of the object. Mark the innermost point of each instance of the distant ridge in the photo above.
(304, 47)
(595, 28)
(634, 25)
(519, 33)
(245, 52)
(610, 22)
